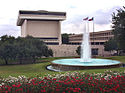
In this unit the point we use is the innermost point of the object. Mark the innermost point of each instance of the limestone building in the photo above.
(44, 25)
(97, 40)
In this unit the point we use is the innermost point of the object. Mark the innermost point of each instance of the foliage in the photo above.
(118, 21)
(7, 48)
(22, 49)
(78, 50)
(111, 82)
(111, 45)
(65, 38)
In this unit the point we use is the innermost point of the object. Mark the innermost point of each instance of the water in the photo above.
(85, 59)
(85, 46)
(92, 62)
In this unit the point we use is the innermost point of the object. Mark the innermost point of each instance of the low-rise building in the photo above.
(97, 40)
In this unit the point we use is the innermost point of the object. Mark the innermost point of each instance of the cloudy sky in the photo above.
(76, 10)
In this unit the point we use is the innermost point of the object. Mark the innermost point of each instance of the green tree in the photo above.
(31, 48)
(78, 50)
(118, 21)
(22, 49)
(7, 48)
(65, 38)
(111, 45)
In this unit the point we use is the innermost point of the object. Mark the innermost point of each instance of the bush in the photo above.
(27, 48)
(78, 50)
(111, 82)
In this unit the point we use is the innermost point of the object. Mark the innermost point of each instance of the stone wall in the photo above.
(70, 50)
(64, 50)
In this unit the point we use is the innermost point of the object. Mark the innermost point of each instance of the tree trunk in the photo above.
(117, 52)
(20, 60)
(34, 60)
(6, 61)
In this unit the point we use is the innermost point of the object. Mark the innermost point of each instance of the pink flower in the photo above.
(57, 90)
(18, 85)
(43, 90)
(13, 85)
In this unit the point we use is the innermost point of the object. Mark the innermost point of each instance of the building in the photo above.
(97, 40)
(44, 25)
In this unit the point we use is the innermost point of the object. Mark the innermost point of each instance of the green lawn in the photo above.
(32, 70)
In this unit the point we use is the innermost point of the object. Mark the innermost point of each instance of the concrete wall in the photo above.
(70, 50)
(101, 51)
(64, 50)
(43, 28)
(24, 29)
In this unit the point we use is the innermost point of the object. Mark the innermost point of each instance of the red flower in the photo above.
(54, 78)
(101, 88)
(18, 85)
(43, 90)
(9, 88)
(13, 85)
(57, 90)
(19, 89)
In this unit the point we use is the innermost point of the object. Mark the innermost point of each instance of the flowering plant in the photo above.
(75, 82)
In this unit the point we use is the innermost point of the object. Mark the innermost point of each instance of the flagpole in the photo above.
(93, 31)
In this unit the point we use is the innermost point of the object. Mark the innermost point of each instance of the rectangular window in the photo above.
(94, 51)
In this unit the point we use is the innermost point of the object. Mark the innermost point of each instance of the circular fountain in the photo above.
(76, 64)
(85, 62)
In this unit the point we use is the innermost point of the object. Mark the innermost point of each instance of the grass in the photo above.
(32, 70)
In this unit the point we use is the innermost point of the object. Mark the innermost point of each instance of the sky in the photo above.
(76, 11)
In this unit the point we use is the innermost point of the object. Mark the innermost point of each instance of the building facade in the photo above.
(44, 25)
(97, 40)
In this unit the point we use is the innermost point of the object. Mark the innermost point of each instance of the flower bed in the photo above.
(76, 82)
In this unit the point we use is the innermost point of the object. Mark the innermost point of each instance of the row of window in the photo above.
(92, 43)
(99, 38)
(52, 43)
(42, 13)
(102, 34)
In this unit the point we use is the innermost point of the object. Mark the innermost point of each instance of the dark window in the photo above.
(74, 43)
(92, 43)
(101, 43)
(52, 43)
(42, 13)
(96, 43)
(94, 51)
(48, 38)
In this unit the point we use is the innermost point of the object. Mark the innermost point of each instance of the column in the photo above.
(59, 34)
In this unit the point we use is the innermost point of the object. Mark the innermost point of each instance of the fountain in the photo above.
(85, 62)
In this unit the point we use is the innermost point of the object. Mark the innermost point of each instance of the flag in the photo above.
(86, 18)
(91, 19)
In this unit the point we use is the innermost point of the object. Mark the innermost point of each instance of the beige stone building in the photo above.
(44, 25)
(97, 40)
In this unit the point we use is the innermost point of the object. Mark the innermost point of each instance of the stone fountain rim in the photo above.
(86, 65)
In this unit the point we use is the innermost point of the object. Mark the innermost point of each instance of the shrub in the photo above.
(108, 82)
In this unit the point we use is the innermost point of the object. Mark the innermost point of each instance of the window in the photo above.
(94, 51)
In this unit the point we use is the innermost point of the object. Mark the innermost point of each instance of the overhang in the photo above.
(40, 15)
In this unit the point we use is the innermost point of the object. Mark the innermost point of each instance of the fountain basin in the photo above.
(76, 64)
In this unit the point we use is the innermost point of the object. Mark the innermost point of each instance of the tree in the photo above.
(7, 48)
(65, 38)
(31, 48)
(22, 49)
(118, 21)
(111, 45)
(78, 50)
